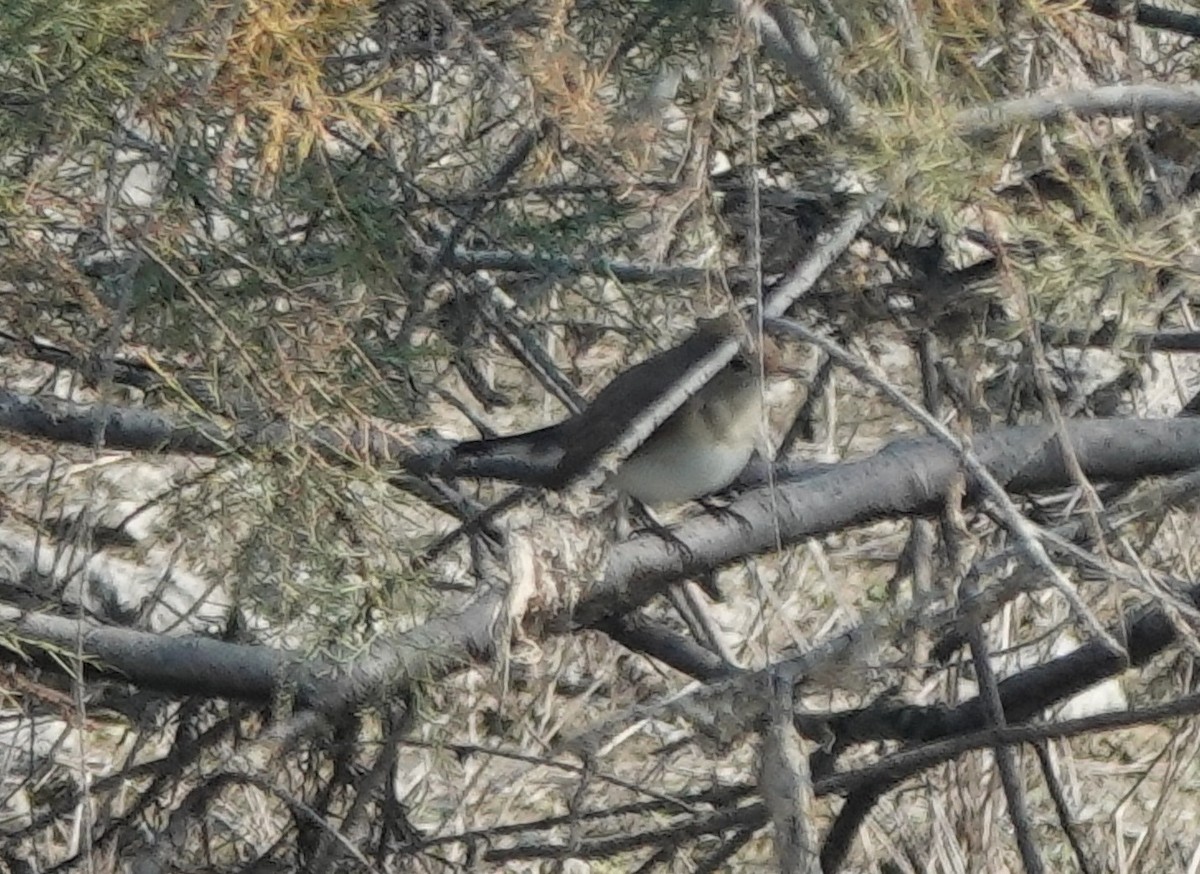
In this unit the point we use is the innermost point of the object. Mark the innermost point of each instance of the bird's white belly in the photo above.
(680, 471)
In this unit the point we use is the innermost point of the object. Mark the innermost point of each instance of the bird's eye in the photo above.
(739, 364)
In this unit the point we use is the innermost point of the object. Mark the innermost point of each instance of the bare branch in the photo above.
(786, 787)
(1057, 105)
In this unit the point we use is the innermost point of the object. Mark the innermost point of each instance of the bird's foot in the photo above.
(719, 509)
(706, 580)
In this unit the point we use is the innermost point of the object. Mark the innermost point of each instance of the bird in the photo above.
(704, 444)
(698, 450)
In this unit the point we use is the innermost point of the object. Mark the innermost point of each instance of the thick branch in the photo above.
(906, 478)
(150, 431)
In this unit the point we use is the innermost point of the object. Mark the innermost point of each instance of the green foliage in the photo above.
(67, 64)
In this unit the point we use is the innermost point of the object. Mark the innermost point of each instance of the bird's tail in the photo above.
(532, 458)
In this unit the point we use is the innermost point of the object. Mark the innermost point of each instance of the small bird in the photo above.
(698, 450)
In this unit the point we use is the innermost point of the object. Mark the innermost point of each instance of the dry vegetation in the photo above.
(250, 252)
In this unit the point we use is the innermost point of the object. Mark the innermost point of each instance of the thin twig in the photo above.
(913, 33)
(1010, 779)
(1061, 807)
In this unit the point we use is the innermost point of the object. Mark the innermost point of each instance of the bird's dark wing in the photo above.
(607, 418)
(552, 457)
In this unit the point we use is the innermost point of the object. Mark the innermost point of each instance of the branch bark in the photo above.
(906, 478)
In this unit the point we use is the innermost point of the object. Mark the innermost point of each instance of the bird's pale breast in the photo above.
(679, 469)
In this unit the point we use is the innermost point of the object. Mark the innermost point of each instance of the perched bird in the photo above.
(699, 449)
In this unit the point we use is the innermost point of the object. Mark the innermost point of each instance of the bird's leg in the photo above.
(718, 510)
(623, 527)
(707, 580)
